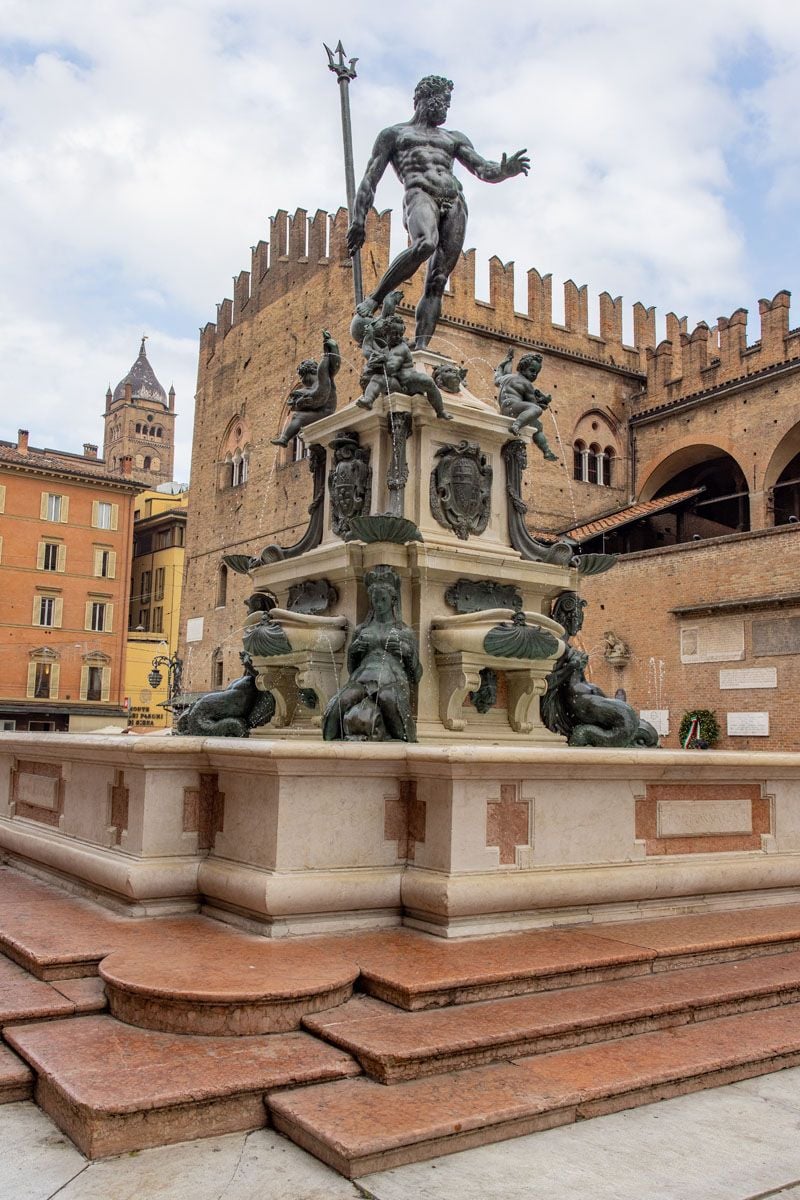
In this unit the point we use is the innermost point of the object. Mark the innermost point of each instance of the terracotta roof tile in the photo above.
(63, 464)
(623, 516)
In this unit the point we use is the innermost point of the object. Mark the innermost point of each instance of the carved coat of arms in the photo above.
(349, 482)
(461, 487)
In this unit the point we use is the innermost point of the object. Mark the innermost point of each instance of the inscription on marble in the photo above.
(715, 640)
(748, 677)
(41, 791)
(37, 791)
(748, 724)
(658, 718)
(777, 635)
(688, 818)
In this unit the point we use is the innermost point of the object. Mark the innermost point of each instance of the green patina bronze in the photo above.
(517, 639)
(383, 660)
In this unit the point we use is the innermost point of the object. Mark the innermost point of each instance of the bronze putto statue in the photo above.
(518, 398)
(316, 395)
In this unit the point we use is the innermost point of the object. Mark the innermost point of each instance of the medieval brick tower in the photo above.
(140, 422)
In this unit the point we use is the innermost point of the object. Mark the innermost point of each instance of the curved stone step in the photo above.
(202, 979)
(358, 1126)
(392, 1044)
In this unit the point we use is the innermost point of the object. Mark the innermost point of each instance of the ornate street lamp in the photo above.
(174, 666)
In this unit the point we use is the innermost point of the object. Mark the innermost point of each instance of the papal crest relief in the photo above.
(461, 486)
(349, 482)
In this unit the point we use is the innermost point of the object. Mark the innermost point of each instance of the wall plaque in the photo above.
(37, 792)
(719, 639)
(688, 818)
(194, 629)
(748, 677)
(748, 724)
(658, 718)
(776, 635)
(703, 818)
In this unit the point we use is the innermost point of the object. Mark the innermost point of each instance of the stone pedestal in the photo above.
(413, 457)
(306, 836)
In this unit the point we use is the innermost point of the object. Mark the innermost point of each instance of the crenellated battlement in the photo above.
(300, 247)
(687, 363)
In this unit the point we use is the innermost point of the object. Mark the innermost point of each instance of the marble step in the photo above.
(24, 998)
(392, 1045)
(198, 977)
(175, 974)
(51, 933)
(113, 1088)
(358, 1126)
(16, 1080)
(418, 973)
(156, 968)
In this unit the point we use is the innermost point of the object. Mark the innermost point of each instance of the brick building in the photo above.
(66, 526)
(684, 456)
(706, 593)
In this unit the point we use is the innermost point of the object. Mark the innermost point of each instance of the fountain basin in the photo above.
(302, 631)
(468, 633)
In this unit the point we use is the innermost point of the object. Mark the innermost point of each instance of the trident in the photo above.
(344, 73)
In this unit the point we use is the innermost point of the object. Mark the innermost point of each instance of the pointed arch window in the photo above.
(591, 464)
(222, 586)
(217, 669)
(234, 455)
(580, 465)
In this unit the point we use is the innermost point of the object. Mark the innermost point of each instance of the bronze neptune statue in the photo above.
(434, 210)
(383, 660)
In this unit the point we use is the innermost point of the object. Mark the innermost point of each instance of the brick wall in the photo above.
(636, 600)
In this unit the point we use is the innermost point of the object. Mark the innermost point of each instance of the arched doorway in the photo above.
(786, 494)
(782, 479)
(723, 506)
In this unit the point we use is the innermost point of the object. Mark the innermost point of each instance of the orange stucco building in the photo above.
(66, 529)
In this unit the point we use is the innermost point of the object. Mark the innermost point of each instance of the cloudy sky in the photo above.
(145, 145)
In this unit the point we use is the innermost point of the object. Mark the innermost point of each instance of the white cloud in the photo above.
(143, 148)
